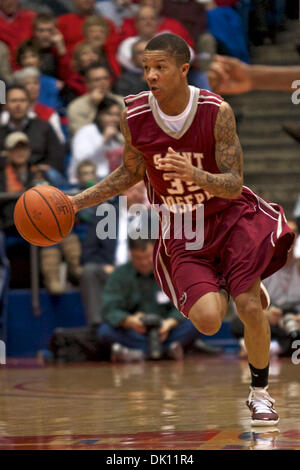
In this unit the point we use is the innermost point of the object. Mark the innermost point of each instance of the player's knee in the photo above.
(250, 311)
(206, 321)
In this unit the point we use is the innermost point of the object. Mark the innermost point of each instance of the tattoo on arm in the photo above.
(128, 174)
(229, 158)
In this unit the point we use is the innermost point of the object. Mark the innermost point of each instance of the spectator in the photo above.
(72, 72)
(57, 61)
(117, 10)
(130, 25)
(29, 77)
(283, 288)
(15, 25)
(71, 26)
(49, 42)
(83, 110)
(147, 27)
(5, 67)
(47, 153)
(100, 141)
(28, 55)
(132, 81)
(95, 31)
(191, 17)
(16, 174)
(130, 295)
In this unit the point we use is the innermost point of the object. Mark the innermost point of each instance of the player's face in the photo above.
(163, 75)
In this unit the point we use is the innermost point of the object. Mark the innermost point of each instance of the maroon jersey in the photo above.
(152, 137)
(244, 238)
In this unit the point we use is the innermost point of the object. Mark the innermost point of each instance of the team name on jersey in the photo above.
(178, 199)
(194, 158)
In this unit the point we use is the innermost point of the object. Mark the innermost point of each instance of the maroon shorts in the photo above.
(248, 240)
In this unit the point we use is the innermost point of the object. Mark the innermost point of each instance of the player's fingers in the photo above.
(169, 167)
(180, 162)
(170, 176)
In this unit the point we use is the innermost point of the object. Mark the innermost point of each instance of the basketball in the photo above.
(44, 215)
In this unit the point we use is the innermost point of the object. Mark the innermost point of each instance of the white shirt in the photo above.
(88, 143)
(175, 123)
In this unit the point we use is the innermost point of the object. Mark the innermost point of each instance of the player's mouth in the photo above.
(154, 89)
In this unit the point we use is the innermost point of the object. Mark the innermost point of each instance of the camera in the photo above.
(152, 322)
(288, 322)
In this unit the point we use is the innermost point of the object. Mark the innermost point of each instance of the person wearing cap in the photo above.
(16, 174)
(46, 151)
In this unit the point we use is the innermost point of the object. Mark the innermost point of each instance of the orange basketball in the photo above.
(44, 215)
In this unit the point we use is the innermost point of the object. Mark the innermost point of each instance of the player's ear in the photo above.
(184, 69)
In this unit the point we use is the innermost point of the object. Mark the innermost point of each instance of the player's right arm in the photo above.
(128, 174)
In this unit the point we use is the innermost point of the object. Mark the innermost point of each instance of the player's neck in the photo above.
(177, 105)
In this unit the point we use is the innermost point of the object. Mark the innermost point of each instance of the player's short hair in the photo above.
(173, 44)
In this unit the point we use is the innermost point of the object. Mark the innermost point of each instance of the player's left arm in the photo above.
(228, 155)
(229, 158)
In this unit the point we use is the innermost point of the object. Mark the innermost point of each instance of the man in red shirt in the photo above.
(129, 27)
(182, 142)
(15, 25)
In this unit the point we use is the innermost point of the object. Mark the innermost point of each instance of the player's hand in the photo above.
(176, 166)
(229, 76)
(166, 327)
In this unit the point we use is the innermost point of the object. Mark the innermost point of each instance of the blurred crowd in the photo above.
(67, 66)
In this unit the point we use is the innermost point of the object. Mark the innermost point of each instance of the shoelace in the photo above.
(261, 401)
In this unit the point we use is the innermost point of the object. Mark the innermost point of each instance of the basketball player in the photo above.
(182, 141)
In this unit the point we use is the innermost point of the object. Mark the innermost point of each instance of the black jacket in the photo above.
(45, 146)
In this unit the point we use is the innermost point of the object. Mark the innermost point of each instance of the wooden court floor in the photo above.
(195, 404)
